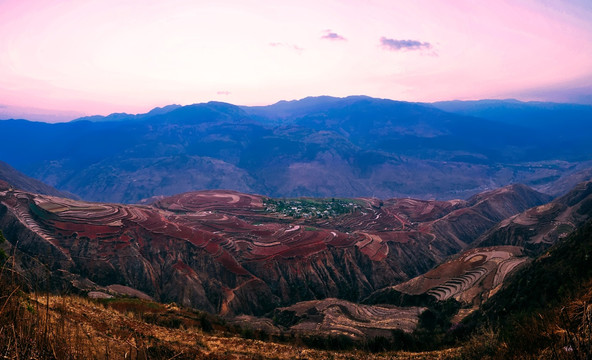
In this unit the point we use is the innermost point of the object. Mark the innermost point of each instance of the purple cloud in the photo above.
(333, 36)
(396, 45)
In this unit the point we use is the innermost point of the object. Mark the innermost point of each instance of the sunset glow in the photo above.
(99, 57)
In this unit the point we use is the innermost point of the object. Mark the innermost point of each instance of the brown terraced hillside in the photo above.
(231, 253)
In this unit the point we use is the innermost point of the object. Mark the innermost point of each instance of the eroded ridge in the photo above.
(227, 252)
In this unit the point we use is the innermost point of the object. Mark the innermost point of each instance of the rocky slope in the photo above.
(475, 275)
(540, 227)
(229, 253)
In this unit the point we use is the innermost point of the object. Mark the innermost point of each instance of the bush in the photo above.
(3, 255)
(483, 345)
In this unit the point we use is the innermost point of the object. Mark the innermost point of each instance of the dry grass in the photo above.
(70, 327)
(44, 326)
(558, 333)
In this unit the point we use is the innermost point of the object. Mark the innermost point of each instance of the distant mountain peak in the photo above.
(122, 116)
(164, 109)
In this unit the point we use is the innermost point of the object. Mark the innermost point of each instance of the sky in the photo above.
(61, 59)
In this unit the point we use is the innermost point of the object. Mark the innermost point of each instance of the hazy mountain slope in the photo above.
(566, 124)
(141, 178)
(23, 182)
(356, 146)
(565, 183)
(125, 116)
(286, 111)
(545, 116)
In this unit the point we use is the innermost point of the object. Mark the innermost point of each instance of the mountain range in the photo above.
(323, 147)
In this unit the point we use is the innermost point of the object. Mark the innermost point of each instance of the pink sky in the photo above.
(104, 56)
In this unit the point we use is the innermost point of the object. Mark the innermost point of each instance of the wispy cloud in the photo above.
(223, 92)
(333, 36)
(397, 45)
(296, 48)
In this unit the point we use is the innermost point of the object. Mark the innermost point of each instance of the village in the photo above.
(309, 208)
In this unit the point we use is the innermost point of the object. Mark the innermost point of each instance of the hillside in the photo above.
(474, 275)
(544, 310)
(42, 326)
(321, 147)
(20, 181)
(538, 228)
(232, 253)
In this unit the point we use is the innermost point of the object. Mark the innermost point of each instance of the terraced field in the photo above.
(227, 253)
(340, 317)
(540, 227)
(472, 277)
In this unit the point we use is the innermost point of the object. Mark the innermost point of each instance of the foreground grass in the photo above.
(72, 327)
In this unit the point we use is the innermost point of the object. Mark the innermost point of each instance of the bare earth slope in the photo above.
(471, 277)
(229, 253)
(540, 227)
(476, 274)
(340, 317)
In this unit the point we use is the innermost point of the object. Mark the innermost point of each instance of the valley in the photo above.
(230, 253)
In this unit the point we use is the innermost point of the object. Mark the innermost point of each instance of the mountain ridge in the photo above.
(350, 147)
(20, 181)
